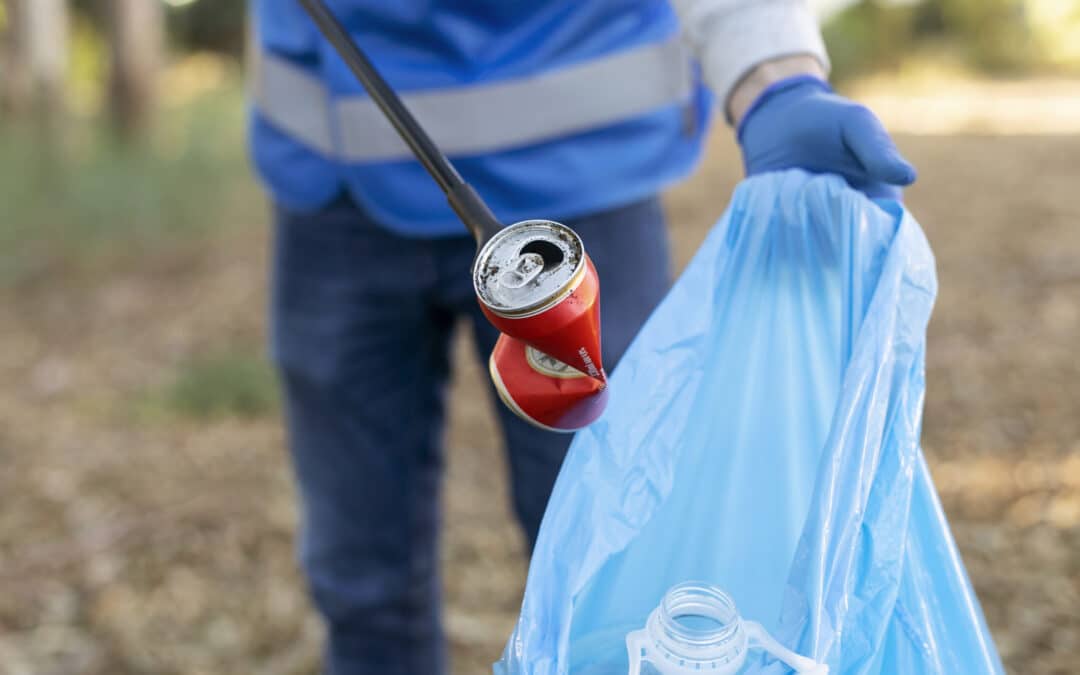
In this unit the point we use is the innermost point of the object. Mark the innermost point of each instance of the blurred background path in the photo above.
(147, 508)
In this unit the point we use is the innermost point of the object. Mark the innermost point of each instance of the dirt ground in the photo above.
(133, 542)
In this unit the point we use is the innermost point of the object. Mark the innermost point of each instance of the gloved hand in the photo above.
(799, 122)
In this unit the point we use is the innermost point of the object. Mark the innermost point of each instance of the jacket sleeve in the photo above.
(731, 37)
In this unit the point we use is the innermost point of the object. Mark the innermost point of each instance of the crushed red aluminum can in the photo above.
(543, 390)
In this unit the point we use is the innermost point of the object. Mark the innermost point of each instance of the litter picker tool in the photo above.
(533, 279)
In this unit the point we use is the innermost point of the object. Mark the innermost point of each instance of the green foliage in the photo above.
(216, 25)
(990, 35)
(995, 33)
(868, 36)
(224, 384)
(73, 195)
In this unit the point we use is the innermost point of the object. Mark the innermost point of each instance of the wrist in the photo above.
(764, 75)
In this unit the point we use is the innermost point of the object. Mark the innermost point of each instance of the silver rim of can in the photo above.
(482, 273)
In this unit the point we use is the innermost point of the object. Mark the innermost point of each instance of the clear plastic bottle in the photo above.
(697, 629)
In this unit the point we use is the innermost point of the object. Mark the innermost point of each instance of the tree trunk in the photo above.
(36, 57)
(136, 40)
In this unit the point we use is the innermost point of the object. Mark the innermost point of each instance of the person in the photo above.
(580, 112)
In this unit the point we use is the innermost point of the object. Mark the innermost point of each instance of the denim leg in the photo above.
(630, 249)
(363, 358)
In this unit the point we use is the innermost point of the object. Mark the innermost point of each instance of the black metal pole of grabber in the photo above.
(462, 197)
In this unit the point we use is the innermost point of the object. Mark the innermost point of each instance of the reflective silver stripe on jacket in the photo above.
(479, 118)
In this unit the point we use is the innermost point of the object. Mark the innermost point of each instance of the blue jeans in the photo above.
(361, 326)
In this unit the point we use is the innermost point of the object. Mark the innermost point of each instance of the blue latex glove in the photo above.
(800, 123)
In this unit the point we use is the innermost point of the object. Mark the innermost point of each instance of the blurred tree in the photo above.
(136, 42)
(996, 34)
(36, 57)
(191, 25)
(989, 35)
(216, 25)
(869, 35)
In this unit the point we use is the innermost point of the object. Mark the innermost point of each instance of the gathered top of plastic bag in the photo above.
(762, 438)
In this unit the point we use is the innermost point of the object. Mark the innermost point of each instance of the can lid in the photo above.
(527, 265)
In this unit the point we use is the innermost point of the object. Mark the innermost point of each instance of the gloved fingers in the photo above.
(866, 139)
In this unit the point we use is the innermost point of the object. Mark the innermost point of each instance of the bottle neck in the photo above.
(696, 629)
(699, 622)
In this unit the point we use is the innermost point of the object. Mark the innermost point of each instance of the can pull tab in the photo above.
(528, 267)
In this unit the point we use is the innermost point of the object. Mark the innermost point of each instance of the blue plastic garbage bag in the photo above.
(763, 435)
